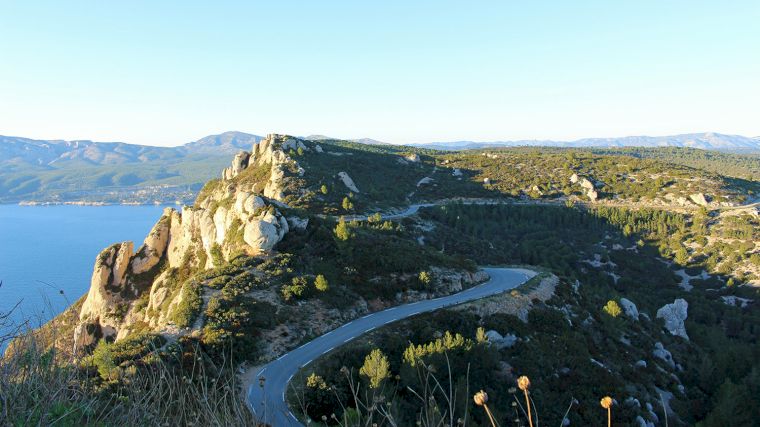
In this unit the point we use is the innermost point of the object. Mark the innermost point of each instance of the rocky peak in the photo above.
(231, 216)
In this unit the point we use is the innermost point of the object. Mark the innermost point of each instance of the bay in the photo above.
(47, 253)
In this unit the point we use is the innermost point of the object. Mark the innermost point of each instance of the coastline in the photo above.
(86, 203)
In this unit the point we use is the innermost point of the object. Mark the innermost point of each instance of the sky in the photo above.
(169, 72)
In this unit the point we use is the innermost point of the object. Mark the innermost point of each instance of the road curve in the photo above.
(269, 404)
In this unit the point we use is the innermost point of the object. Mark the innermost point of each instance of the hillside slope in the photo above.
(646, 285)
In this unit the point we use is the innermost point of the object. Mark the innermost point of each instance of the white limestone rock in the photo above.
(496, 339)
(699, 199)
(662, 353)
(629, 308)
(154, 246)
(414, 157)
(348, 182)
(262, 234)
(674, 316)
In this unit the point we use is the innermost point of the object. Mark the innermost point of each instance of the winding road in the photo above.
(269, 403)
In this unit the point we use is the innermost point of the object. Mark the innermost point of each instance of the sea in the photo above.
(47, 253)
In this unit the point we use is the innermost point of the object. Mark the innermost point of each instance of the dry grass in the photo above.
(41, 385)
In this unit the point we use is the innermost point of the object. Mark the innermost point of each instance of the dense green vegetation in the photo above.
(571, 347)
(745, 166)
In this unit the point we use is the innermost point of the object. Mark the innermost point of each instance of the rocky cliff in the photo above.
(149, 288)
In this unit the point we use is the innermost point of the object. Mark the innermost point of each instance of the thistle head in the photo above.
(606, 402)
(523, 383)
(480, 398)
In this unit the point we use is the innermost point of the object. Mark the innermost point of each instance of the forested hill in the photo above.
(705, 141)
(745, 166)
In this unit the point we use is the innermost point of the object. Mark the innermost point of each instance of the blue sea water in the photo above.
(48, 249)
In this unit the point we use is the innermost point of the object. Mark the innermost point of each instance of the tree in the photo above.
(480, 335)
(375, 218)
(376, 368)
(612, 308)
(342, 232)
(347, 205)
(323, 189)
(321, 283)
(102, 358)
(425, 278)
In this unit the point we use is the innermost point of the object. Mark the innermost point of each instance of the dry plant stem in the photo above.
(664, 409)
(527, 403)
(488, 411)
(564, 417)
(609, 417)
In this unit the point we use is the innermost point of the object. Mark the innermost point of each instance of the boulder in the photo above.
(424, 181)
(629, 308)
(585, 183)
(414, 158)
(348, 182)
(574, 178)
(496, 339)
(699, 199)
(298, 223)
(674, 316)
(262, 234)
(662, 353)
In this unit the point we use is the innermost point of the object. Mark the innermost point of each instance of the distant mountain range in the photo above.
(705, 141)
(58, 171)
(18, 152)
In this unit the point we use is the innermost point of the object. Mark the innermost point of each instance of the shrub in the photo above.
(187, 310)
(295, 288)
(424, 278)
(612, 308)
(321, 283)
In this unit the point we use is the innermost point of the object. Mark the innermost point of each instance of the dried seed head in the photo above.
(480, 398)
(606, 402)
(523, 383)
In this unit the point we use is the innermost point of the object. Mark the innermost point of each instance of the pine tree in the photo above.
(376, 368)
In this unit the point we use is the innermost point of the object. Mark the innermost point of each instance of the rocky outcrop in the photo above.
(674, 316)
(588, 187)
(629, 308)
(413, 157)
(663, 354)
(699, 199)
(449, 280)
(348, 182)
(230, 216)
(239, 163)
(496, 339)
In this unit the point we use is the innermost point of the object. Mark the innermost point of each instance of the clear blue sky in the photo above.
(164, 73)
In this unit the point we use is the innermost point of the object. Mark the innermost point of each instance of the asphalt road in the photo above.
(268, 403)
